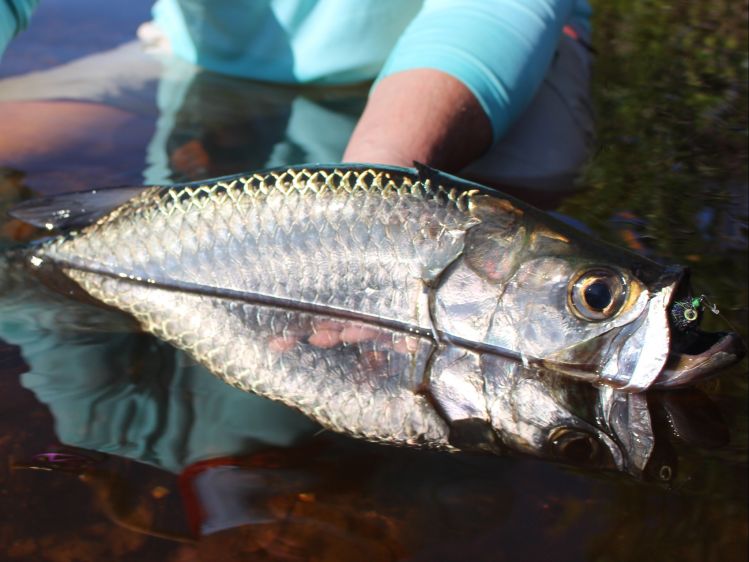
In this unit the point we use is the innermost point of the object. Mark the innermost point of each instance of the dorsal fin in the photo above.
(72, 210)
(425, 172)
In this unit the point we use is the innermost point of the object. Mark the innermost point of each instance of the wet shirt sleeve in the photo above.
(500, 49)
(14, 17)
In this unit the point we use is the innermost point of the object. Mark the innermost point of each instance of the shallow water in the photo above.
(126, 433)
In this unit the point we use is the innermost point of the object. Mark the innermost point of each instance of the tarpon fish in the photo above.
(432, 257)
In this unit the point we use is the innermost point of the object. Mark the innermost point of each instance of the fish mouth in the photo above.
(698, 356)
(694, 354)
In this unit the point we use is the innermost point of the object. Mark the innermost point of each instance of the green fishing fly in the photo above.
(686, 314)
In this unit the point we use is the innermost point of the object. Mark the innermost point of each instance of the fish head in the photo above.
(561, 301)
(590, 318)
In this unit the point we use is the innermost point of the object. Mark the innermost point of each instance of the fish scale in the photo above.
(340, 242)
(338, 390)
(321, 241)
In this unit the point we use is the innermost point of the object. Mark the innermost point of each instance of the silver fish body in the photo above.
(427, 256)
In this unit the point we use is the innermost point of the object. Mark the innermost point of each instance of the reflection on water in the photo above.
(127, 117)
(141, 454)
(276, 126)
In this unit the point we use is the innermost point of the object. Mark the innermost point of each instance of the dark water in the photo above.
(117, 446)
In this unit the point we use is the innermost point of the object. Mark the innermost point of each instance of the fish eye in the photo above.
(577, 447)
(574, 446)
(596, 294)
(665, 473)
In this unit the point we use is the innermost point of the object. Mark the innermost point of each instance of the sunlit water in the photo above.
(117, 446)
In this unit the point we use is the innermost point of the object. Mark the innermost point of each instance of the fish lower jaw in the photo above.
(714, 352)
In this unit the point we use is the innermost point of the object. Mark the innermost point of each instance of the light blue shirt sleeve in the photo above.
(286, 41)
(14, 17)
(500, 49)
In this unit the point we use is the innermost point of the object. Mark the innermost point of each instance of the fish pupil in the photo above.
(598, 295)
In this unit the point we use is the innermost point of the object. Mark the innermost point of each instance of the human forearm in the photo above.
(422, 115)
